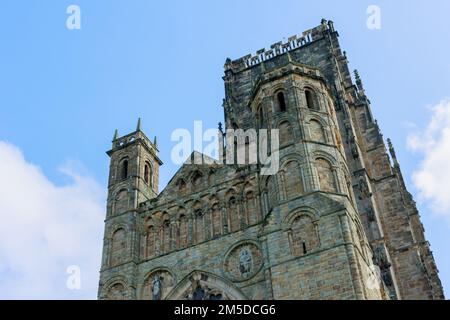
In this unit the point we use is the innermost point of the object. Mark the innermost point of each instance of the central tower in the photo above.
(334, 222)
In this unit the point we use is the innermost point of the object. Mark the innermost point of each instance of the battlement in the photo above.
(137, 135)
(279, 48)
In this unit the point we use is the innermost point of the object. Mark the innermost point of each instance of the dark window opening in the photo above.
(311, 99)
(262, 123)
(124, 170)
(199, 213)
(166, 224)
(281, 102)
(304, 247)
(148, 174)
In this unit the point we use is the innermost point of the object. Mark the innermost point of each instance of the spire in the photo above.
(138, 127)
(358, 80)
(116, 135)
(155, 142)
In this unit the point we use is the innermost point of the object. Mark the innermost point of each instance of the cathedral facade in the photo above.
(334, 222)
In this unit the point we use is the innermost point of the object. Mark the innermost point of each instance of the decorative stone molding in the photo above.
(243, 261)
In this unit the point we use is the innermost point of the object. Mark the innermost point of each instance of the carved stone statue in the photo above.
(156, 287)
(370, 214)
(199, 291)
(245, 262)
(363, 188)
(380, 258)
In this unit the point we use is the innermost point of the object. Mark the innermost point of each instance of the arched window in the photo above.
(120, 202)
(166, 236)
(182, 186)
(311, 99)
(150, 242)
(197, 179)
(304, 236)
(281, 102)
(183, 231)
(271, 192)
(148, 173)
(325, 172)
(251, 207)
(316, 131)
(116, 292)
(199, 226)
(118, 247)
(216, 223)
(212, 177)
(293, 184)
(124, 170)
(233, 212)
(286, 133)
(261, 118)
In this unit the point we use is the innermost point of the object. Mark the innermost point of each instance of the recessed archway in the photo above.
(201, 285)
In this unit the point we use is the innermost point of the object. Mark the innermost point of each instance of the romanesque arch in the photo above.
(316, 130)
(292, 179)
(303, 231)
(183, 228)
(118, 246)
(326, 173)
(286, 133)
(115, 289)
(201, 285)
(158, 283)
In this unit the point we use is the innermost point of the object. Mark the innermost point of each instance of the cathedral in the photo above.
(334, 222)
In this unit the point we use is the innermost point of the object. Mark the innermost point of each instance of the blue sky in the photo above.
(63, 92)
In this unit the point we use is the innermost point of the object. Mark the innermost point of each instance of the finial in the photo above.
(155, 141)
(358, 80)
(392, 151)
(220, 127)
(138, 127)
(116, 135)
(227, 65)
(331, 25)
(323, 21)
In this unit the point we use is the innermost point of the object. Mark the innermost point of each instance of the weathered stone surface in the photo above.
(336, 221)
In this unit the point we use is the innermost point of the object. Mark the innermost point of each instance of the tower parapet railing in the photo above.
(280, 48)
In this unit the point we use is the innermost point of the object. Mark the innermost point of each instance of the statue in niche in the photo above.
(156, 287)
(380, 258)
(204, 292)
(354, 148)
(370, 214)
(387, 278)
(364, 191)
(348, 132)
(198, 294)
(245, 262)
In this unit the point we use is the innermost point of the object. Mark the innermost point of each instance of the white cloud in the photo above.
(45, 228)
(432, 178)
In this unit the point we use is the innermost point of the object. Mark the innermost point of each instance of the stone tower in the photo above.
(334, 222)
(133, 179)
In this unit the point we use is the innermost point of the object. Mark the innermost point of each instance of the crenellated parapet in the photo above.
(280, 47)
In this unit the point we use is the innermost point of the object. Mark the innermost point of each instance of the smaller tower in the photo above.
(133, 179)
